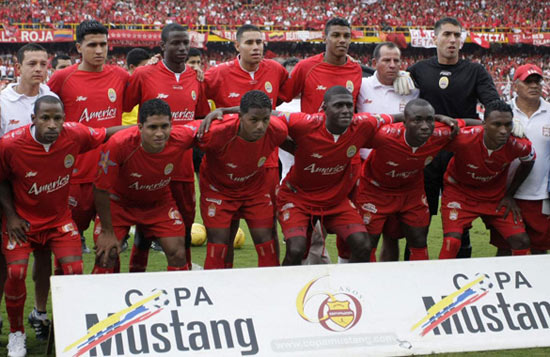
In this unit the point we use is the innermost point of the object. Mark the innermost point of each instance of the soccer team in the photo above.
(65, 159)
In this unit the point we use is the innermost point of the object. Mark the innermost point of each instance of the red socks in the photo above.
(450, 248)
(188, 258)
(215, 256)
(172, 268)
(15, 292)
(138, 260)
(520, 251)
(419, 253)
(100, 270)
(373, 255)
(267, 254)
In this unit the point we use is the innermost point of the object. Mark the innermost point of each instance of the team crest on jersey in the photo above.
(443, 82)
(352, 150)
(211, 210)
(69, 161)
(193, 95)
(428, 160)
(349, 86)
(111, 93)
(168, 169)
(261, 162)
(268, 87)
(453, 214)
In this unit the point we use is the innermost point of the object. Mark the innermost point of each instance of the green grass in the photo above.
(246, 257)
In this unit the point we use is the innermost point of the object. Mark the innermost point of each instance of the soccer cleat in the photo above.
(124, 245)
(16, 344)
(41, 326)
(156, 246)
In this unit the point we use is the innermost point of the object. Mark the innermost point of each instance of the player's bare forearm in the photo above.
(521, 174)
(110, 131)
(15, 225)
(209, 118)
(103, 207)
(288, 145)
(472, 122)
(398, 118)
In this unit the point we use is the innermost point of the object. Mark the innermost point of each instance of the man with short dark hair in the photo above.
(176, 83)
(37, 160)
(475, 181)
(533, 113)
(137, 57)
(232, 178)
(133, 186)
(453, 86)
(92, 93)
(60, 62)
(194, 59)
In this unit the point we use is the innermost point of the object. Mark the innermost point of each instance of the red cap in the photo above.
(522, 72)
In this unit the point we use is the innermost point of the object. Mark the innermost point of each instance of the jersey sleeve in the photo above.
(211, 83)
(56, 82)
(485, 87)
(184, 135)
(293, 85)
(526, 150)
(132, 94)
(4, 166)
(280, 130)
(109, 165)
(203, 108)
(89, 138)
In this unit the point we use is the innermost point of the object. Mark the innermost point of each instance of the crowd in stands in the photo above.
(286, 14)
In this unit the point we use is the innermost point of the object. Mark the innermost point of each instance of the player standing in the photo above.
(92, 93)
(475, 181)
(453, 86)
(133, 186)
(176, 83)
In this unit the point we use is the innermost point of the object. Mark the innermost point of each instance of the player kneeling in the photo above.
(132, 187)
(37, 162)
(233, 178)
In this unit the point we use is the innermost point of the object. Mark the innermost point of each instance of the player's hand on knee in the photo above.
(403, 84)
(17, 229)
(107, 247)
(510, 206)
(207, 121)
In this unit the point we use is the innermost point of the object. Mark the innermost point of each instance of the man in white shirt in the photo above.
(533, 113)
(377, 95)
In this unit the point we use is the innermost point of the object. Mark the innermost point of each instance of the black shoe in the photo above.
(465, 252)
(41, 327)
(124, 245)
(156, 246)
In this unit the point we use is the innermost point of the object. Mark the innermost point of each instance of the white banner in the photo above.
(425, 38)
(377, 309)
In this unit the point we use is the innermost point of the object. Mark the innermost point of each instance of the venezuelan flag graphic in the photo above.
(114, 324)
(63, 35)
(452, 304)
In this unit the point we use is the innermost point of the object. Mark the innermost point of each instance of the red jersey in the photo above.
(93, 99)
(40, 174)
(136, 177)
(480, 173)
(312, 77)
(395, 166)
(322, 173)
(233, 166)
(226, 83)
(183, 93)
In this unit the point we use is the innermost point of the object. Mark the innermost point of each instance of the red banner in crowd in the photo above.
(118, 38)
(536, 39)
(276, 36)
(23, 36)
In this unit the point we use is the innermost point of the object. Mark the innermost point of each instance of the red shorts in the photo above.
(63, 241)
(81, 202)
(295, 216)
(376, 207)
(459, 211)
(537, 226)
(154, 221)
(184, 195)
(218, 211)
(272, 180)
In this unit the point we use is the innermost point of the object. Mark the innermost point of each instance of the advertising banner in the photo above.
(377, 309)
(23, 36)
